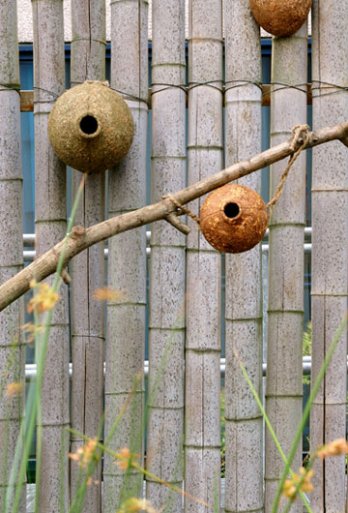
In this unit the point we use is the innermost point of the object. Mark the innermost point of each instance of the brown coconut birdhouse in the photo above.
(233, 218)
(280, 17)
(91, 127)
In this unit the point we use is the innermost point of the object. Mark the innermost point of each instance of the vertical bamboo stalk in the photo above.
(330, 251)
(286, 262)
(11, 249)
(127, 254)
(88, 269)
(167, 267)
(203, 305)
(244, 432)
(50, 223)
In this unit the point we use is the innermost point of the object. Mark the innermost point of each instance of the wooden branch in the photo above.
(82, 239)
(179, 225)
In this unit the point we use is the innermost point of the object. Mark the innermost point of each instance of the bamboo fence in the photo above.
(201, 76)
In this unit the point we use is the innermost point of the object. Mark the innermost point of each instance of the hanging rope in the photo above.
(299, 140)
(181, 209)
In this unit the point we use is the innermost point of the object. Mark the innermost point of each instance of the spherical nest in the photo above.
(280, 17)
(91, 127)
(233, 218)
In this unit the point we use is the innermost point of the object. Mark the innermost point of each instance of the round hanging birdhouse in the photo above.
(233, 218)
(91, 127)
(280, 17)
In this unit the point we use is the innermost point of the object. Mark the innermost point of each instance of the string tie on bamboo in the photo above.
(9, 87)
(299, 140)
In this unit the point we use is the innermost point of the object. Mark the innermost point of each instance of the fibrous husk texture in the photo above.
(280, 17)
(233, 218)
(91, 127)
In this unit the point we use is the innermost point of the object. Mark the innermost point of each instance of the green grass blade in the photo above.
(271, 431)
(314, 391)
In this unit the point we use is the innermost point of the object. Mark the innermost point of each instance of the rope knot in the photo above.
(300, 138)
(180, 209)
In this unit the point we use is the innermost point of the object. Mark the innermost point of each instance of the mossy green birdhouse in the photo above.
(91, 127)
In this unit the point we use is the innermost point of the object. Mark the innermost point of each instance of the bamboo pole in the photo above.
(12, 352)
(125, 345)
(50, 224)
(88, 269)
(330, 251)
(167, 265)
(286, 264)
(243, 311)
(203, 302)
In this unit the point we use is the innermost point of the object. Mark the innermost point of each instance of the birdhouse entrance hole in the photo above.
(89, 125)
(231, 210)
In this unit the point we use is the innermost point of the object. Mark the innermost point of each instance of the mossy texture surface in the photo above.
(91, 127)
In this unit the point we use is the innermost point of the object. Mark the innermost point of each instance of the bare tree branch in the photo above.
(81, 239)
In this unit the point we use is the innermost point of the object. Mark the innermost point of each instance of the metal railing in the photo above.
(30, 368)
(29, 242)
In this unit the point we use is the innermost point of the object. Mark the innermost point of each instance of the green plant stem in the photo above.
(139, 468)
(39, 426)
(57, 278)
(21, 457)
(152, 476)
(118, 419)
(18, 469)
(271, 430)
(314, 391)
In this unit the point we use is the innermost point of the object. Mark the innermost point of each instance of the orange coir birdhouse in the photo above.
(233, 218)
(280, 17)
